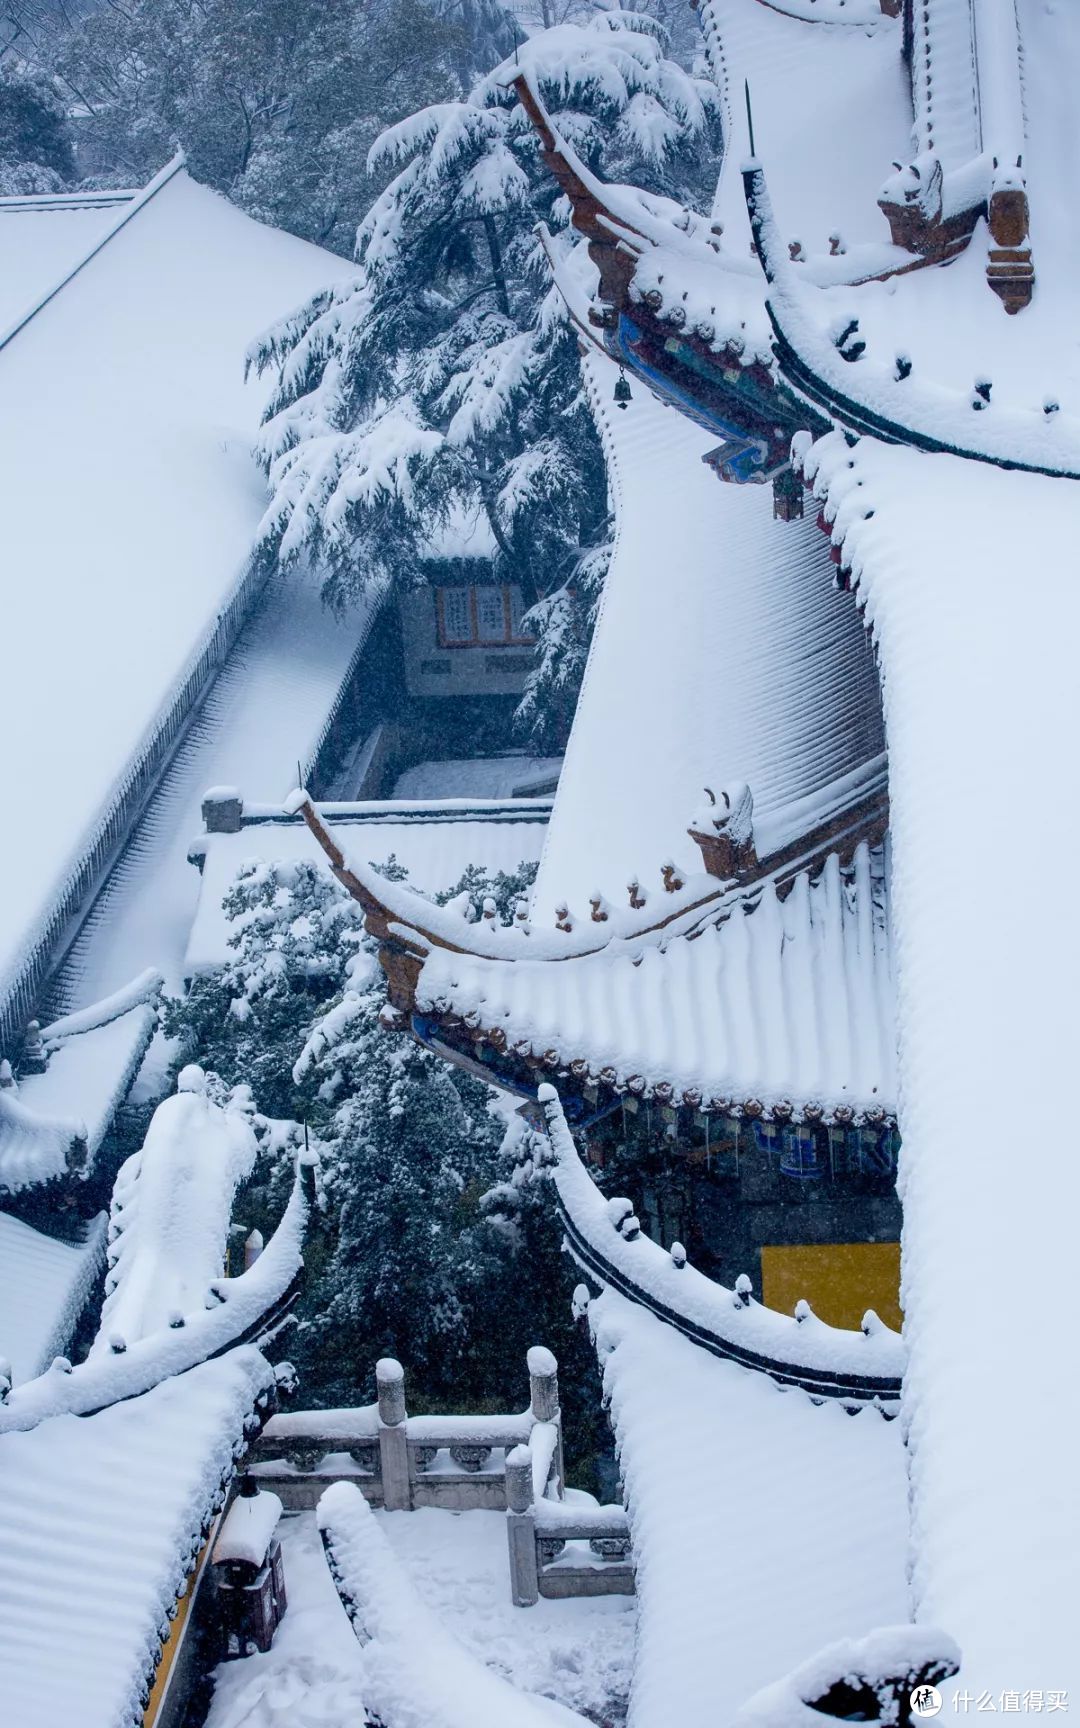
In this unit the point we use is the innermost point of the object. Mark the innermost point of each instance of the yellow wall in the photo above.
(840, 1280)
(177, 1632)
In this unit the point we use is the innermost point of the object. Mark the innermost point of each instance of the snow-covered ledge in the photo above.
(868, 1680)
(415, 1671)
(605, 1238)
(239, 1310)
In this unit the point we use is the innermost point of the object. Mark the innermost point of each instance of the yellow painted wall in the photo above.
(840, 1280)
(177, 1633)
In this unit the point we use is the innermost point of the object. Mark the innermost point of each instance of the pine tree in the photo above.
(431, 1245)
(443, 382)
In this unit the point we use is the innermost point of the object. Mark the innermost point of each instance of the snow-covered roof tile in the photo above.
(722, 653)
(968, 576)
(763, 1527)
(44, 1287)
(131, 377)
(944, 325)
(831, 105)
(862, 1367)
(103, 1519)
(56, 1120)
(778, 1001)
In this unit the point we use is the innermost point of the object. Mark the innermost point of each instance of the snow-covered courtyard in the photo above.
(578, 1653)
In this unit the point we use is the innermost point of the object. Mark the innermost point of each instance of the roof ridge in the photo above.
(129, 211)
(87, 199)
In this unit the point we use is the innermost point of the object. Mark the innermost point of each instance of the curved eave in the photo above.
(827, 1362)
(247, 1309)
(410, 925)
(738, 398)
(811, 366)
(591, 1092)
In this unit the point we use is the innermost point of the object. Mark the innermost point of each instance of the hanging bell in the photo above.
(622, 389)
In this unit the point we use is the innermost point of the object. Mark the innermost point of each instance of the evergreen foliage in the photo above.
(35, 137)
(432, 1245)
(275, 102)
(442, 384)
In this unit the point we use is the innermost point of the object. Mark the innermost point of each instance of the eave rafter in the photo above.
(758, 394)
(727, 386)
(408, 928)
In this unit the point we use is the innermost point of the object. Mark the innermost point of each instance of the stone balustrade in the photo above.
(558, 1547)
(506, 1463)
(401, 1462)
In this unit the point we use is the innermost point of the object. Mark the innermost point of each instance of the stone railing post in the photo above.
(521, 1528)
(393, 1435)
(544, 1398)
(222, 810)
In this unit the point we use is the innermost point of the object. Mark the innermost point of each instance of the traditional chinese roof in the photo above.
(758, 671)
(104, 1520)
(856, 1368)
(762, 1527)
(783, 1003)
(53, 1122)
(436, 841)
(705, 987)
(861, 334)
(982, 712)
(126, 363)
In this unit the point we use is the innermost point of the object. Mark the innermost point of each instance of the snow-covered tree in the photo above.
(35, 137)
(430, 1246)
(443, 380)
(275, 102)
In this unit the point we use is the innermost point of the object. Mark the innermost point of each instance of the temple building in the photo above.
(787, 1013)
(773, 929)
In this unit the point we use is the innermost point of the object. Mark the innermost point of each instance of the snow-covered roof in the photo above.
(415, 1670)
(434, 840)
(722, 653)
(763, 1527)
(123, 400)
(272, 701)
(967, 575)
(104, 1518)
(831, 104)
(605, 1238)
(44, 1288)
(171, 1208)
(779, 1001)
(43, 238)
(991, 111)
(237, 1310)
(56, 1120)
